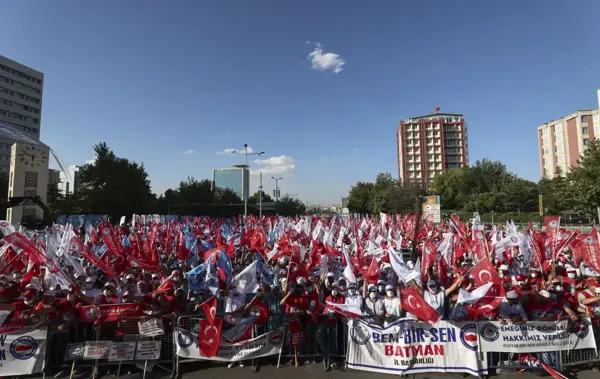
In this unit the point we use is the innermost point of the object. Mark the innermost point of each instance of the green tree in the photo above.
(583, 188)
(254, 199)
(555, 195)
(360, 199)
(289, 206)
(114, 186)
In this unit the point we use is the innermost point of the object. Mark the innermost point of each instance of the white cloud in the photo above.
(190, 151)
(321, 60)
(236, 151)
(280, 165)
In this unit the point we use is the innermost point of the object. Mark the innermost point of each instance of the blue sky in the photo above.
(155, 79)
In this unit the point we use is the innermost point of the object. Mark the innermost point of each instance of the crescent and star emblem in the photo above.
(409, 301)
(213, 312)
(207, 333)
(482, 273)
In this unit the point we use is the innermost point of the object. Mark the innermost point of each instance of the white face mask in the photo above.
(29, 301)
(390, 293)
(106, 293)
(372, 295)
(533, 275)
(433, 289)
(571, 275)
(335, 292)
(597, 290)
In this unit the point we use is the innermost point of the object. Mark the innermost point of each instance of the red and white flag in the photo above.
(209, 337)
(412, 301)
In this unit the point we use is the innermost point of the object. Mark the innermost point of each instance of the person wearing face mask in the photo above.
(329, 280)
(343, 286)
(511, 310)
(353, 297)
(457, 312)
(436, 296)
(589, 298)
(373, 306)
(45, 309)
(314, 301)
(89, 288)
(381, 289)
(108, 295)
(391, 306)
(155, 281)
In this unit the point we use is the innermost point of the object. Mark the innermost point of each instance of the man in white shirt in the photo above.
(436, 296)
(511, 310)
(353, 297)
(391, 305)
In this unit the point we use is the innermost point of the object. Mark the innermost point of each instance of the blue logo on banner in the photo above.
(185, 338)
(489, 333)
(468, 336)
(23, 348)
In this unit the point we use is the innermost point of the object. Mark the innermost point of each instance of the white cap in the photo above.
(545, 294)
(511, 295)
(330, 275)
(503, 267)
(389, 287)
(129, 276)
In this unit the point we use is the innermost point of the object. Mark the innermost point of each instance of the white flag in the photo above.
(473, 296)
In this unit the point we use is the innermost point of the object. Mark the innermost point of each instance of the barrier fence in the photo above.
(171, 344)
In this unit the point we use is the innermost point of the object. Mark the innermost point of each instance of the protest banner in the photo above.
(151, 327)
(22, 352)
(96, 349)
(261, 346)
(122, 351)
(536, 336)
(147, 350)
(413, 348)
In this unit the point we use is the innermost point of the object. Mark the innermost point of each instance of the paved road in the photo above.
(316, 372)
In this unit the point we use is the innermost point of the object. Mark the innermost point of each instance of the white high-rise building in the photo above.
(21, 90)
(70, 181)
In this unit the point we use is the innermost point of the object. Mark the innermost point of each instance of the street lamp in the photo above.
(276, 187)
(246, 153)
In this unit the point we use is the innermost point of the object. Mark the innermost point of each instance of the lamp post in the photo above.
(245, 189)
(260, 195)
(276, 194)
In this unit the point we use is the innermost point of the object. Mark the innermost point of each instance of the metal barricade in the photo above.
(570, 358)
(126, 330)
(501, 362)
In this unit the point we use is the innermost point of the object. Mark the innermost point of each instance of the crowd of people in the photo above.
(315, 269)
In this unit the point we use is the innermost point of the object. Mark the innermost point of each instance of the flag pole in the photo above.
(260, 192)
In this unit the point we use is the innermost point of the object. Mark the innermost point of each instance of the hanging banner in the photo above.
(22, 352)
(414, 348)
(261, 346)
(536, 336)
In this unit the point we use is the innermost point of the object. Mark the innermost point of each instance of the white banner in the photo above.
(22, 352)
(536, 336)
(411, 348)
(261, 346)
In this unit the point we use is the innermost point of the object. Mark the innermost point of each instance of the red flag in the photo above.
(372, 274)
(259, 310)
(209, 337)
(589, 250)
(110, 313)
(210, 309)
(552, 224)
(164, 287)
(412, 301)
(436, 109)
(555, 374)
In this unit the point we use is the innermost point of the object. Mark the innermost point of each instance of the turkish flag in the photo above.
(210, 309)
(552, 228)
(209, 337)
(483, 273)
(412, 301)
(372, 274)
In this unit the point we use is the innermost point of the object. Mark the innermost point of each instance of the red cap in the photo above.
(29, 293)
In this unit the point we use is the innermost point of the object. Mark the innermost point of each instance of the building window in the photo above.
(557, 128)
(585, 130)
(586, 142)
(584, 119)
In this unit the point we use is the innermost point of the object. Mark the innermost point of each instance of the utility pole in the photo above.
(260, 192)
(246, 179)
(276, 191)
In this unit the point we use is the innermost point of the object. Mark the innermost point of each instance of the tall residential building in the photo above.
(428, 145)
(70, 180)
(21, 90)
(561, 142)
(236, 178)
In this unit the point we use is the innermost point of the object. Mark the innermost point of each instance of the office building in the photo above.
(53, 176)
(236, 178)
(428, 145)
(70, 180)
(21, 90)
(561, 142)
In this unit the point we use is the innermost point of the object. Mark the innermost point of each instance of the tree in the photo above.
(555, 194)
(360, 198)
(254, 199)
(289, 206)
(582, 187)
(114, 186)
(54, 199)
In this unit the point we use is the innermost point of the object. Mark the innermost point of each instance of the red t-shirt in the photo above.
(51, 314)
(20, 306)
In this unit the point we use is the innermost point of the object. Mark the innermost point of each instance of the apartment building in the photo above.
(561, 142)
(428, 145)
